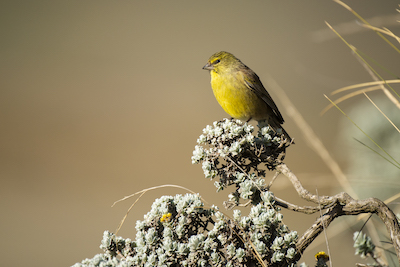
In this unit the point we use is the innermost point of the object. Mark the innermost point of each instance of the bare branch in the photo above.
(343, 205)
(305, 209)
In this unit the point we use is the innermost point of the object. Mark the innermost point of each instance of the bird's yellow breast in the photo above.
(236, 98)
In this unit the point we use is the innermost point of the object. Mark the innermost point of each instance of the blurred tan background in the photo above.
(100, 99)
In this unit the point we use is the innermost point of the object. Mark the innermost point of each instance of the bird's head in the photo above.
(221, 62)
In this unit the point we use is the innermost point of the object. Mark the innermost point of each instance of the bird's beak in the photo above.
(208, 66)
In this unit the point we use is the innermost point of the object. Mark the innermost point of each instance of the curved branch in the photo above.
(343, 204)
(318, 227)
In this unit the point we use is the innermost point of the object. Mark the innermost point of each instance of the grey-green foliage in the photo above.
(199, 236)
(181, 231)
(230, 150)
(363, 244)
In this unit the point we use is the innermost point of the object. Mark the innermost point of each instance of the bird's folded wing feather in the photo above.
(253, 82)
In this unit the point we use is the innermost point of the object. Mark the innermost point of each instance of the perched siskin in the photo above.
(240, 92)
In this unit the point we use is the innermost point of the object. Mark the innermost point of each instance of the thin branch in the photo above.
(305, 209)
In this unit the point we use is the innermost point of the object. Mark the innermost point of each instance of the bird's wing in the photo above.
(253, 82)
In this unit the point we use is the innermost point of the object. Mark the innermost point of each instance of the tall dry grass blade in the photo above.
(372, 140)
(142, 192)
(353, 48)
(383, 30)
(351, 28)
(126, 214)
(382, 67)
(341, 99)
(367, 65)
(255, 252)
(152, 188)
(366, 22)
(389, 120)
(388, 94)
(376, 152)
(325, 231)
(309, 135)
(363, 84)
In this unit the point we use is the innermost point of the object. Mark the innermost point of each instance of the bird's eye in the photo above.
(216, 61)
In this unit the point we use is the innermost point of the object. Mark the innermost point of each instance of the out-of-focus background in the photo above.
(101, 99)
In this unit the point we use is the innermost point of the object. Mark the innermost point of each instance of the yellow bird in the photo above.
(240, 92)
